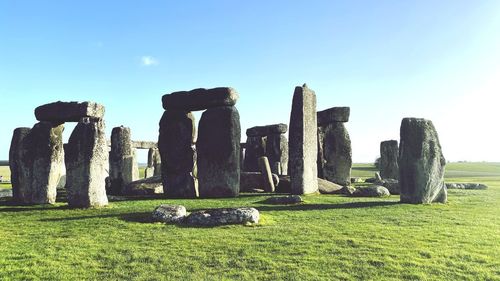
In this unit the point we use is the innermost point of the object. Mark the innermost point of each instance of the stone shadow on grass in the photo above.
(313, 207)
(13, 206)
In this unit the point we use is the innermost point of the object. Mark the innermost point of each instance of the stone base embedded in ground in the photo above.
(251, 181)
(284, 200)
(466, 186)
(327, 187)
(169, 213)
(223, 216)
(147, 186)
(371, 191)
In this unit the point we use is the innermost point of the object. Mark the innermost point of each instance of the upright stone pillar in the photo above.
(303, 140)
(421, 163)
(20, 175)
(334, 145)
(218, 150)
(155, 159)
(389, 151)
(122, 161)
(267, 141)
(86, 164)
(255, 148)
(175, 143)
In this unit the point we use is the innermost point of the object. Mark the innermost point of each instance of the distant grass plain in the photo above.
(328, 237)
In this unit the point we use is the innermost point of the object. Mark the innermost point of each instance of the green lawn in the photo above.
(330, 237)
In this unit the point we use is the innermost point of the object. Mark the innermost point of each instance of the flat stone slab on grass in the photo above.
(284, 200)
(327, 187)
(169, 213)
(275, 129)
(371, 191)
(69, 111)
(223, 216)
(466, 186)
(200, 99)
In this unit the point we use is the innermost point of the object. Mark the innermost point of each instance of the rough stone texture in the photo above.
(389, 152)
(277, 152)
(371, 191)
(20, 176)
(284, 200)
(356, 180)
(261, 131)
(144, 144)
(178, 158)
(218, 148)
(303, 138)
(41, 164)
(154, 161)
(147, 186)
(123, 167)
(267, 176)
(60, 112)
(251, 181)
(421, 163)
(200, 99)
(391, 184)
(284, 185)
(149, 172)
(337, 154)
(86, 164)
(466, 186)
(334, 114)
(255, 148)
(223, 216)
(378, 177)
(326, 187)
(169, 213)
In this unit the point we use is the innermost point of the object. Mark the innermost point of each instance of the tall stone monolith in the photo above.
(337, 154)
(389, 151)
(20, 175)
(123, 167)
(303, 138)
(421, 163)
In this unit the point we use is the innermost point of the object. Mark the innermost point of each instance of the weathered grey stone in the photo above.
(348, 190)
(378, 178)
(60, 112)
(154, 161)
(277, 152)
(466, 186)
(356, 180)
(223, 216)
(421, 163)
(86, 156)
(218, 148)
(334, 114)
(41, 164)
(255, 148)
(327, 187)
(123, 167)
(200, 99)
(389, 152)
(303, 138)
(169, 213)
(391, 184)
(144, 144)
(267, 176)
(371, 191)
(284, 200)
(371, 180)
(261, 131)
(178, 158)
(284, 185)
(149, 172)
(251, 181)
(337, 154)
(147, 186)
(20, 176)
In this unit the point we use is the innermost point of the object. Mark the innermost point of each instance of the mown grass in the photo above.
(329, 237)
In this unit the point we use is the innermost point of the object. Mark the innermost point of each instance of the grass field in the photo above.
(329, 237)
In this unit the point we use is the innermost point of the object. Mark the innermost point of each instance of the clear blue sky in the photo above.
(385, 59)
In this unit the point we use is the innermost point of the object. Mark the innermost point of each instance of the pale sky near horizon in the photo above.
(385, 59)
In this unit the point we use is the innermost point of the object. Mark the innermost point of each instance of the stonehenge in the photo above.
(303, 139)
(209, 167)
(421, 163)
(268, 141)
(123, 167)
(389, 151)
(334, 146)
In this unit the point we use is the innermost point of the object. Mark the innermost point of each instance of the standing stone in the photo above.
(178, 157)
(421, 163)
(86, 164)
(277, 152)
(218, 150)
(255, 148)
(19, 175)
(154, 161)
(321, 152)
(303, 140)
(337, 154)
(41, 164)
(389, 152)
(122, 160)
(267, 175)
